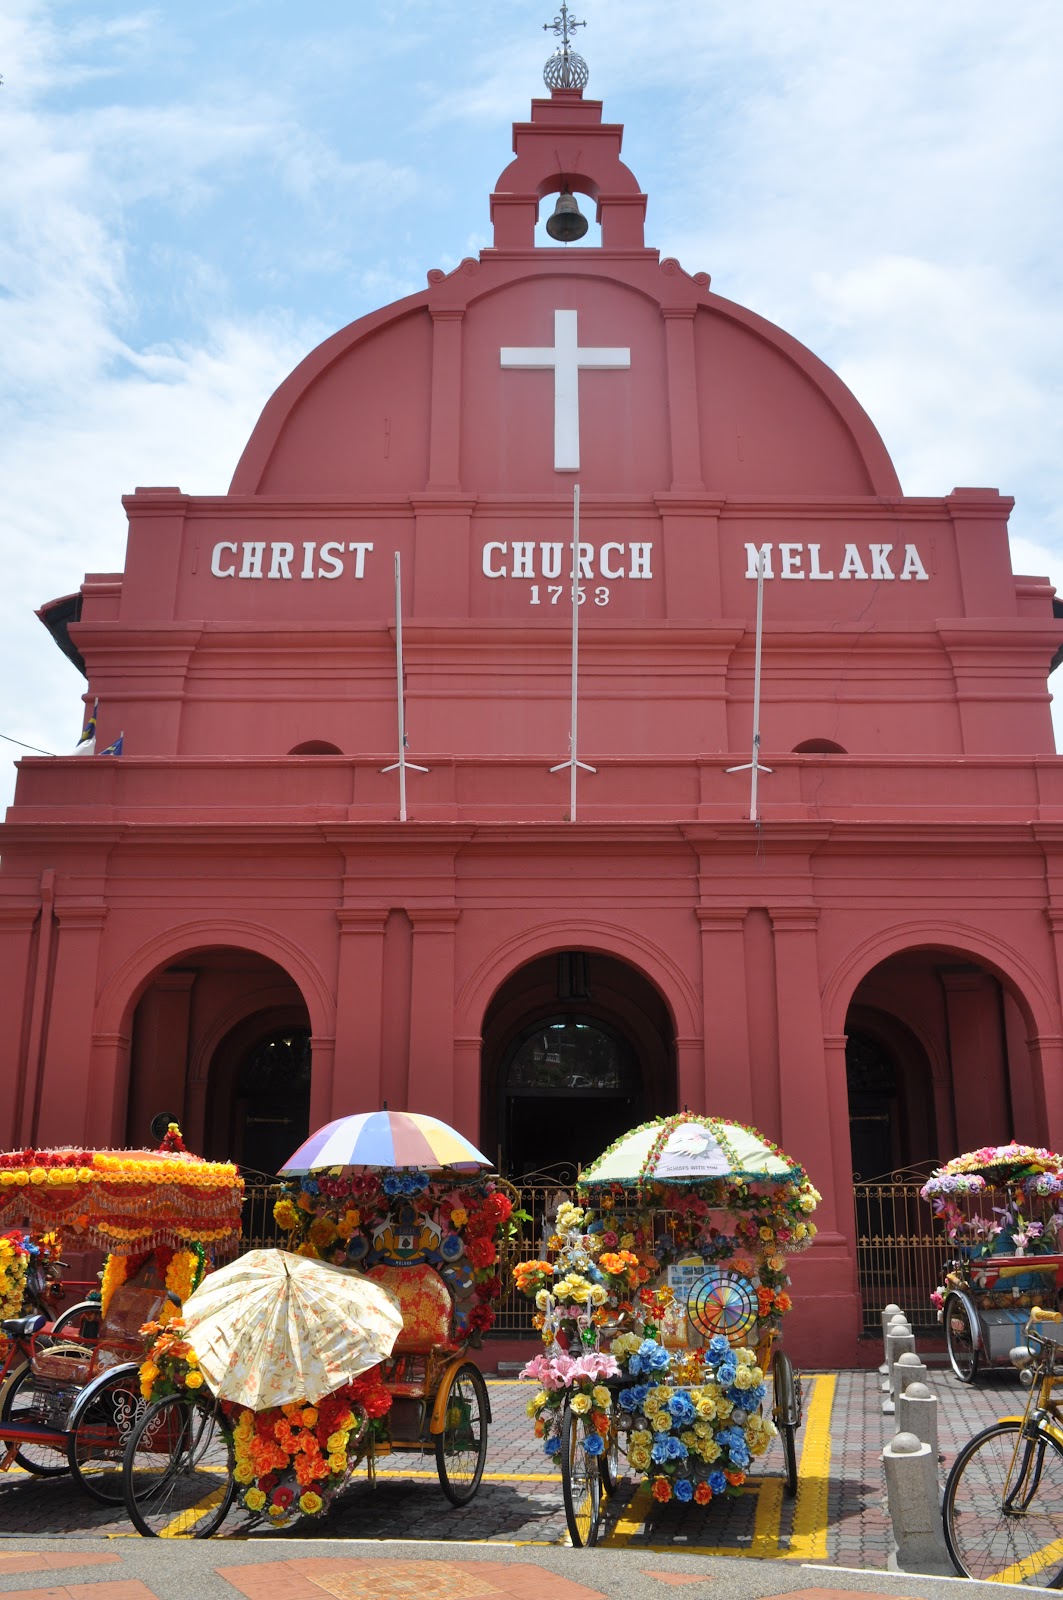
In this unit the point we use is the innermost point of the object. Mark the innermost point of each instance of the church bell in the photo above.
(567, 222)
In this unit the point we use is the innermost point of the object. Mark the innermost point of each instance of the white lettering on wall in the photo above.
(501, 559)
(801, 561)
(326, 561)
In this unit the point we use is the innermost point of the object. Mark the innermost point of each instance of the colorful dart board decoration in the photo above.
(723, 1302)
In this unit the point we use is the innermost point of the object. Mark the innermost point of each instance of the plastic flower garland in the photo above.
(295, 1458)
(171, 1365)
(459, 1227)
(127, 1201)
(14, 1265)
(183, 1271)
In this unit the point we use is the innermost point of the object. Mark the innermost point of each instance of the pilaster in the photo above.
(431, 1077)
(351, 1079)
(728, 1087)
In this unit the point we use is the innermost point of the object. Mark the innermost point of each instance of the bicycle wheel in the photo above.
(27, 1401)
(609, 1460)
(461, 1448)
(101, 1422)
(960, 1339)
(786, 1412)
(178, 1470)
(1003, 1510)
(580, 1481)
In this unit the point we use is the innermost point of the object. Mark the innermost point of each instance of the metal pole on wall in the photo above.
(401, 764)
(573, 763)
(754, 767)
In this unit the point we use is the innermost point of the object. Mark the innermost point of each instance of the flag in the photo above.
(114, 749)
(86, 745)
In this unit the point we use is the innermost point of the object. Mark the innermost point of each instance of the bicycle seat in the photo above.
(23, 1327)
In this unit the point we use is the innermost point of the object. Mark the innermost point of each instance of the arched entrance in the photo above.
(577, 1048)
(937, 1053)
(220, 1039)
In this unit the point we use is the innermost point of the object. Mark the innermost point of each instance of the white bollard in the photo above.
(908, 1369)
(917, 1412)
(888, 1313)
(898, 1322)
(899, 1341)
(915, 1506)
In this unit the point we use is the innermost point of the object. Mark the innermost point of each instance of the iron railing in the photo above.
(900, 1246)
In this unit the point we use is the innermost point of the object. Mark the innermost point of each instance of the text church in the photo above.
(521, 889)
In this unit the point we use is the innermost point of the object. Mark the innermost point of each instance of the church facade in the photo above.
(238, 923)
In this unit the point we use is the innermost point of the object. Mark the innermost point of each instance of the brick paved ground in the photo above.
(838, 1517)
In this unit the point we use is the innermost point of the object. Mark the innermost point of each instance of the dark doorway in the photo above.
(578, 1048)
(260, 1093)
(872, 1082)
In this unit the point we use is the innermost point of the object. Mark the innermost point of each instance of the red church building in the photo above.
(233, 922)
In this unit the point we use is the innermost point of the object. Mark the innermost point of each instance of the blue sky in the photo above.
(192, 196)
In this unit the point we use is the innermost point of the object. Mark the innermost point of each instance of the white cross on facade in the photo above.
(566, 358)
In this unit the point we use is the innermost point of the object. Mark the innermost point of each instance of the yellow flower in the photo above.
(743, 1378)
(601, 1397)
(335, 1443)
(599, 1294)
(337, 1462)
(38, 1175)
(244, 1472)
(706, 1408)
(285, 1214)
(310, 1417)
(193, 1380)
(310, 1503)
(254, 1499)
(627, 1241)
(581, 1404)
(639, 1457)
(459, 1217)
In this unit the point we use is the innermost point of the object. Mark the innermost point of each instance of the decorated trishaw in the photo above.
(68, 1402)
(1002, 1208)
(402, 1227)
(660, 1308)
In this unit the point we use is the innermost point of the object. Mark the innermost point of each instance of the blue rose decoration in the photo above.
(452, 1247)
(593, 1444)
(719, 1347)
(717, 1482)
(392, 1184)
(552, 1447)
(683, 1410)
(659, 1451)
(683, 1489)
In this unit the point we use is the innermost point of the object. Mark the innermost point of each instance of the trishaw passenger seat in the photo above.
(427, 1308)
(132, 1304)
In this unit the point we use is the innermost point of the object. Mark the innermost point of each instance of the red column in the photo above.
(16, 943)
(71, 1098)
(684, 427)
(352, 1082)
(728, 1080)
(814, 1106)
(431, 1077)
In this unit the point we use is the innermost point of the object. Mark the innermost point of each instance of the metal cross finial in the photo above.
(561, 25)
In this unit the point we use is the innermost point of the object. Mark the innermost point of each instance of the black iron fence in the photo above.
(900, 1245)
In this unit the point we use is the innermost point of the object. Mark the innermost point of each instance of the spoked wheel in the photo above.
(960, 1340)
(1003, 1509)
(580, 1479)
(609, 1460)
(26, 1402)
(178, 1470)
(101, 1422)
(461, 1448)
(786, 1412)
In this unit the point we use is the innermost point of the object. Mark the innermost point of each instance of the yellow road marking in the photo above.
(178, 1528)
(1019, 1571)
(633, 1517)
(488, 1477)
(808, 1542)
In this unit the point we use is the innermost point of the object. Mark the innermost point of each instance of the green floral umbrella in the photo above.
(687, 1149)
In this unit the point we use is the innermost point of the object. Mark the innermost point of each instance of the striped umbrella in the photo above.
(375, 1139)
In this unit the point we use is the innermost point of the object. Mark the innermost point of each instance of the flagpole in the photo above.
(754, 767)
(574, 763)
(401, 764)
